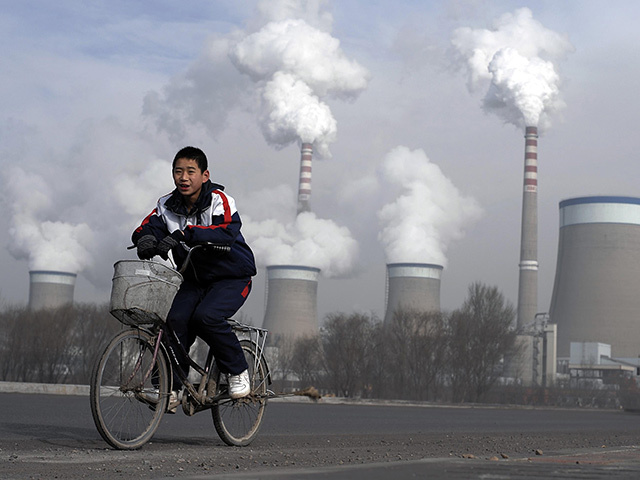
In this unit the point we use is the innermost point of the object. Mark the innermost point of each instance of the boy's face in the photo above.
(189, 179)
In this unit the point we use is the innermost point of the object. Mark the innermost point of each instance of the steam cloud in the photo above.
(47, 245)
(516, 59)
(428, 212)
(290, 111)
(295, 65)
(75, 212)
(307, 240)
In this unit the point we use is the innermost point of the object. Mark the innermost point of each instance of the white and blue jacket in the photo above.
(214, 219)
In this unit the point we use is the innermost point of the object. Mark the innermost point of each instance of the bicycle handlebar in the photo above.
(219, 248)
(213, 246)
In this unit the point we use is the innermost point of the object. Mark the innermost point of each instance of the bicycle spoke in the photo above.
(238, 421)
(126, 402)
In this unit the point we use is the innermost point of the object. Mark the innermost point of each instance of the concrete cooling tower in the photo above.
(412, 286)
(292, 301)
(595, 294)
(49, 289)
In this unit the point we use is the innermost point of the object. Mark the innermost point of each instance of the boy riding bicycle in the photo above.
(216, 284)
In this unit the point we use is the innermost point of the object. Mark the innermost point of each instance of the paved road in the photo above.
(46, 436)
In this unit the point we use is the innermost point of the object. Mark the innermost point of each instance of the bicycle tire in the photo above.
(128, 393)
(238, 421)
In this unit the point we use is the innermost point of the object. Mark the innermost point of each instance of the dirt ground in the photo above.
(160, 459)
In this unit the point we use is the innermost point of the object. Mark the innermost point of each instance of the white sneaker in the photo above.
(174, 401)
(239, 385)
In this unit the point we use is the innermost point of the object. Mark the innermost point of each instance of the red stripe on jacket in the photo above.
(227, 213)
(146, 219)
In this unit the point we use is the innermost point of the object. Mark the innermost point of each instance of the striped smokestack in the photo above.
(304, 186)
(528, 281)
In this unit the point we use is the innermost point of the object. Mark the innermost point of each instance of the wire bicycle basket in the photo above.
(142, 291)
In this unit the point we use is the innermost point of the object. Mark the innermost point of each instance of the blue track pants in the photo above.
(203, 310)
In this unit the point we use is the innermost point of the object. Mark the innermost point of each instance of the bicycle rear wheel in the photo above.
(238, 421)
(129, 390)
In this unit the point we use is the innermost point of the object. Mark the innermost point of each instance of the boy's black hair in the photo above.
(192, 153)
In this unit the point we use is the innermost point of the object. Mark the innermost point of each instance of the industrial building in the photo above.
(412, 286)
(528, 278)
(50, 289)
(595, 294)
(291, 301)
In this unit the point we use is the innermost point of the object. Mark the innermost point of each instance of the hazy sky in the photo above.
(96, 98)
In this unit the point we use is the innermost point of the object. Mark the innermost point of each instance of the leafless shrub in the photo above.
(307, 362)
(480, 336)
(281, 361)
(347, 352)
(54, 345)
(416, 353)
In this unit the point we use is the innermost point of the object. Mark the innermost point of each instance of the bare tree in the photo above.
(55, 345)
(281, 362)
(480, 336)
(11, 339)
(377, 382)
(416, 355)
(44, 342)
(346, 352)
(307, 362)
(93, 328)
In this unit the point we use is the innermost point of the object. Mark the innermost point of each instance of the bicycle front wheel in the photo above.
(129, 390)
(238, 421)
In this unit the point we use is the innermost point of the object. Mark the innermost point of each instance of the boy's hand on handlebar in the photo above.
(168, 242)
(147, 247)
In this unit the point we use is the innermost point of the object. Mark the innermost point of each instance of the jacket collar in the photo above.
(176, 204)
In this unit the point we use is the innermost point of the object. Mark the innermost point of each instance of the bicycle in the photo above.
(131, 381)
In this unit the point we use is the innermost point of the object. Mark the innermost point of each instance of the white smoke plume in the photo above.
(307, 240)
(75, 211)
(46, 244)
(295, 66)
(428, 212)
(291, 112)
(514, 62)
(203, 95)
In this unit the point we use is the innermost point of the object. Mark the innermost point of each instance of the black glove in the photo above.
(168, 242)
(147, 247)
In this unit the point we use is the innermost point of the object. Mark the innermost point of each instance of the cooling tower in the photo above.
(304, 185)
(528, 279)
(595, 294)
(49, 289)
(412, 286)
(292, 306)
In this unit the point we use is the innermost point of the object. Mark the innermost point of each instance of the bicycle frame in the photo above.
(257, 336)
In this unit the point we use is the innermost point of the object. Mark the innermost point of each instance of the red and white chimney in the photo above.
(304, 186)
(528, 282)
